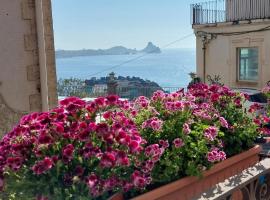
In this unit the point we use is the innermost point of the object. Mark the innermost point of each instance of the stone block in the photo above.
(28, 9)
(35, 102)
(30, 42)
(33, 73)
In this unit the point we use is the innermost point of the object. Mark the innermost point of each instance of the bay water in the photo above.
(169, 68)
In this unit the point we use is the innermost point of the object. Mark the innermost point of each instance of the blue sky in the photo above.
(94, 24)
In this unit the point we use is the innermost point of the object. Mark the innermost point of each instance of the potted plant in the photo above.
(76, 151)
(197, 129)
(161, 147)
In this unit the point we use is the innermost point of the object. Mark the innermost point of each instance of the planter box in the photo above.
(189, 187)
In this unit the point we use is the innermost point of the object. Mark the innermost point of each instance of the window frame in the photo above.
(238, 58)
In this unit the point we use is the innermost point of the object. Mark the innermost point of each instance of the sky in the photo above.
(101, 24)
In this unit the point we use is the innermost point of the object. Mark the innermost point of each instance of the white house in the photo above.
(233, 41)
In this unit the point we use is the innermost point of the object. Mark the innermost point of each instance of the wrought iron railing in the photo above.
(229, 11)
(133, 92)
(250, 184)
(123, 92)
(208, 12)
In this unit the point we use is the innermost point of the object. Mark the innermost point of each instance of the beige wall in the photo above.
(221, 54)
(20, 59)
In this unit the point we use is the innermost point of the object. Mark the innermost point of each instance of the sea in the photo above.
(169, 68)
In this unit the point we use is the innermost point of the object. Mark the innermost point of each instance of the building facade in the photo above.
(233, 41)
(27, 67)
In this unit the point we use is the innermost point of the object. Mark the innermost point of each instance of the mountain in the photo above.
(117, 50)
(151, 48)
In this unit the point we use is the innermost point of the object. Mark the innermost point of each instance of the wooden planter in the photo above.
(189, 187)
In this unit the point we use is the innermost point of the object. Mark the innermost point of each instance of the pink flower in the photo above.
(92, 180)
(158, 95)
(154, 151)
(112, 99)
(134, 146)
(142, 101)
(186, 128)
(138, 180)
(45, 138)
(149, 165)
(71, 104)
(107, 115)
(223, 122)
(164, 144)
(122, 159)
(178, 143)
(153, 123)
(100, 102)
(67, 153)
(211, 133)
(216, 156)
(108, 160)
(14, 163)
(266, 90)
(59, 127)
(215, 97)
(42, 166)
(237, 102)
(175, 105)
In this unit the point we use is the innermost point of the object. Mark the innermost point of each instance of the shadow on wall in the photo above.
(8, 117)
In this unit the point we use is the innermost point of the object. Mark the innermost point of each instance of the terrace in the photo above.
(108, 146)
(229, 11)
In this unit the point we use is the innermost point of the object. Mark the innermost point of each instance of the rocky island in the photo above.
(118, 50)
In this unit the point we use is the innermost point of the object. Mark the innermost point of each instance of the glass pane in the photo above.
(248, 64)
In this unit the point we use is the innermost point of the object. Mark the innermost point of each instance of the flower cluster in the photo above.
(211, 133)
(215, 155)
(74, 144)
(109, 145)
(261, 114)
(266, 91)
(153, 123)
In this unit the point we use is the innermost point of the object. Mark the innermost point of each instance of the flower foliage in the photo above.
(261, 114)
(266, 92)
(83, 150)
(74, 151)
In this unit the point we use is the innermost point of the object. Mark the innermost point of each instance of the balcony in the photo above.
(229, 11)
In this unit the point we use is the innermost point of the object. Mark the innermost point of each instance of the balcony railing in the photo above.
(123, 92)
(229, 11)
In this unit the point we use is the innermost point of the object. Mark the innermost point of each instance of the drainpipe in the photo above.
(42, 54)
(204, 41)
(204, 62)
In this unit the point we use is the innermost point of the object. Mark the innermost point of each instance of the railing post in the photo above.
(216, 12)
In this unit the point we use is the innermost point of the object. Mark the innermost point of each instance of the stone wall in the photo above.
(21, 88)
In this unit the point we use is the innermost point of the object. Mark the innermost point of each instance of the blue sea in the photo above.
(169, 68)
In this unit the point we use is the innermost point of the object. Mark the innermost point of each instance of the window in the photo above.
(248, 64)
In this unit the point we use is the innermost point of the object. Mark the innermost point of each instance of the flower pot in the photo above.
(190, 187)
(117, 196)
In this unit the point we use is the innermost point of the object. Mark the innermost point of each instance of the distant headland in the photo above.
(117, 50)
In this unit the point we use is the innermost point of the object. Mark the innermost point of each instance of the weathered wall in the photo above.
(221, 53)
(21, 88)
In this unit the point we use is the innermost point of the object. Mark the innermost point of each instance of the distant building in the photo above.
(99, 89)
(233, 41)
(126, 87)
